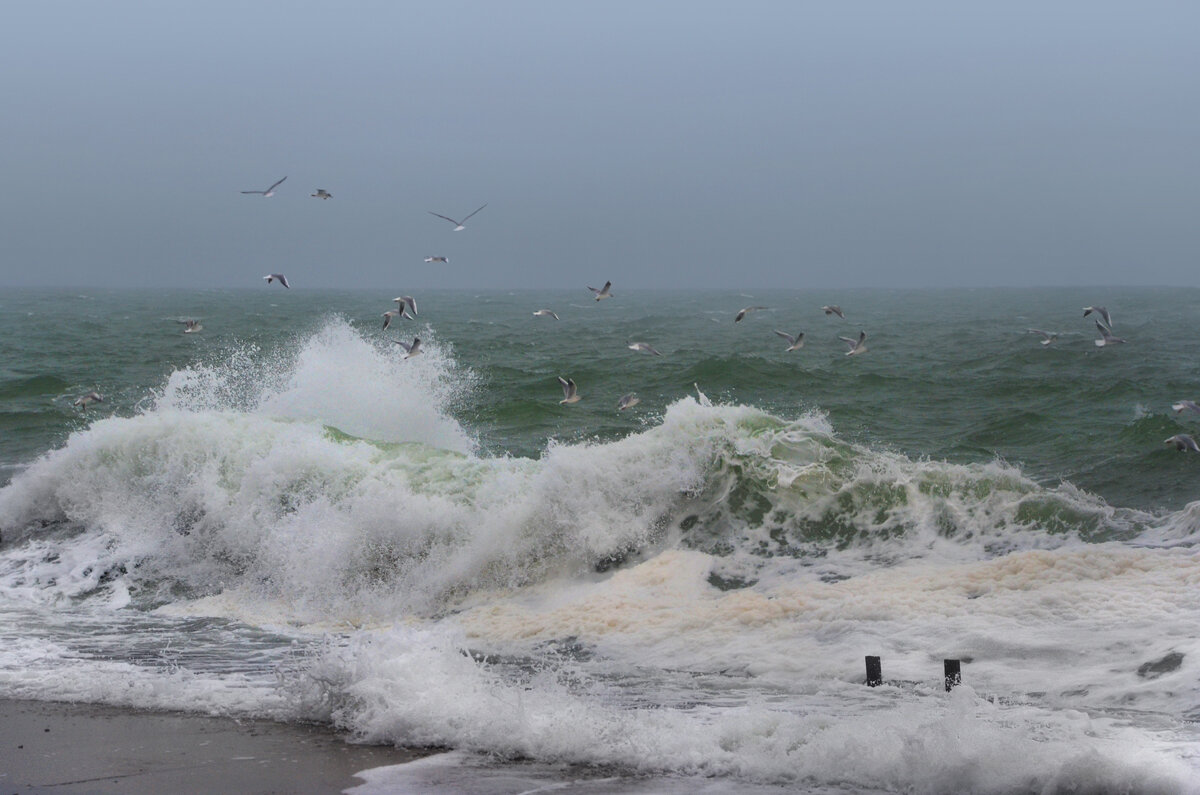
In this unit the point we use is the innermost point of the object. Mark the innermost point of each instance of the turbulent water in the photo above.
(279, 515)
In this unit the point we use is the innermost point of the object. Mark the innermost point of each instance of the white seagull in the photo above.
(1106, 337)
(545, 313)
(1047, 336)
(570, 393)
(411, 349)
(602, 292)
(856, 346)
(833, 309)
(742, 314)
(644, 347)
(1183, 442)
(406, 300)
(83, 401)
(321, 194)
(1185, 405)
(278, 277)
(391, 313)
(627, 401)
(458, 225)
(1101, 311)
(269, 192)
(794, 343)
(190, 326)
(437, 259)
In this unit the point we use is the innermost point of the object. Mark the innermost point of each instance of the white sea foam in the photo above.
(415, 687)
(39, 668)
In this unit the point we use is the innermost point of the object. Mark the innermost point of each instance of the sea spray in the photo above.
(338, 378)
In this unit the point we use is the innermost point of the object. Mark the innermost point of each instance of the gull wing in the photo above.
(463, 221)
(1101, 311)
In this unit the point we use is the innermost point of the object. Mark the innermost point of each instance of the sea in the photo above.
(280, 515)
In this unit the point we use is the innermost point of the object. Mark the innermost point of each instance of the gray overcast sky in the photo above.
(656, 144)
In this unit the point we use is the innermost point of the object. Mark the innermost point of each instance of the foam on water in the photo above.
(694, 599)
(417, 687)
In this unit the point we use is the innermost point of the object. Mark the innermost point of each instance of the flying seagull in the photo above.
(268, 192)
(321, 194)
(1101, 311)
(570, 394)
(1106, 337)
(1047, 336)
(458, 225)
(1183, 442)
(644, 347)
(391, 313)
(833, 309)
(279, 277)
(437, 259)
(794, 343)
(856, 346)
(742, 314)
(1185, 405)
(406, 300)
(545, 313)
(83, 401)
(411, 349)
(602, 292)
(190, 326)
(627, 401)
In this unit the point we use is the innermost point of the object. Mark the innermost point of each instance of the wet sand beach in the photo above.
(84, 748)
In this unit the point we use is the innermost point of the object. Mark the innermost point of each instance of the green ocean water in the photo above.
(950, 375)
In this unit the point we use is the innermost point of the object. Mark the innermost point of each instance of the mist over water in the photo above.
(282, 516)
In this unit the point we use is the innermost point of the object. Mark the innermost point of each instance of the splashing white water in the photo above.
(336, 378)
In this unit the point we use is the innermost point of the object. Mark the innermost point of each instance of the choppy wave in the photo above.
(335, 477)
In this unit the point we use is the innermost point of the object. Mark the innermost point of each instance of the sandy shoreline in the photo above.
(49, 747)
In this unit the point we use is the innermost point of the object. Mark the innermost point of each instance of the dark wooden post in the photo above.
(953, 672)
(874, 672)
